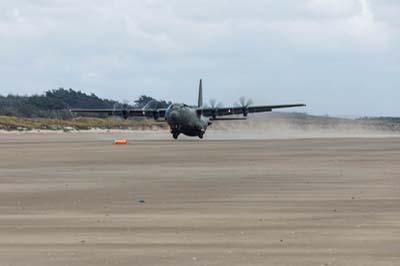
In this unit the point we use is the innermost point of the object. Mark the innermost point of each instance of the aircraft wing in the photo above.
(125, 113)
(224, 111)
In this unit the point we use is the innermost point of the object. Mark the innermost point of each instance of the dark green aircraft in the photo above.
(189, 120)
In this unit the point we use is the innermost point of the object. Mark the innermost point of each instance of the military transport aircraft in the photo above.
(189, 120)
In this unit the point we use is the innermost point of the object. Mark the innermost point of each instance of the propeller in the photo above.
(151, 105)
(213, 105)
(244, 104)
(116, 108)
(125, 109)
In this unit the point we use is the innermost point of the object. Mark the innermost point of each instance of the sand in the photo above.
(77, 199)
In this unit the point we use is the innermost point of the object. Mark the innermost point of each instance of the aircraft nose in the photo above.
(174, 116)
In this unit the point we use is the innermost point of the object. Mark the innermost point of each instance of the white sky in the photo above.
(341, 57)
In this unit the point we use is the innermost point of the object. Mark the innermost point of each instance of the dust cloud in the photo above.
(292, 126)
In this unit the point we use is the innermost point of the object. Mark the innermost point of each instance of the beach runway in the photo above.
(77, 199)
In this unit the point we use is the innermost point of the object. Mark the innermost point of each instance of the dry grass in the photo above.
(10, 123)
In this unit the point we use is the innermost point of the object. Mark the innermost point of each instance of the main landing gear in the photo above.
(176, 132)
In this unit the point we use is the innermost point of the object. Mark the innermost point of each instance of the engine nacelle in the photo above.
(156, 115)
(214, 114)
(125, 114)
(245, 112)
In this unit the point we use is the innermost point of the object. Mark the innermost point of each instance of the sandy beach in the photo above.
(77, 199)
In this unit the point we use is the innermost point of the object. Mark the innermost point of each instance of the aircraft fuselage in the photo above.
(184, 119)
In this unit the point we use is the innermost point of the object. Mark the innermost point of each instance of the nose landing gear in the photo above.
(175, 134)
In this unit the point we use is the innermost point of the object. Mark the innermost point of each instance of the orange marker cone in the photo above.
(120, 141)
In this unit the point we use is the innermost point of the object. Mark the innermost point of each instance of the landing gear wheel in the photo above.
(175, 135)
(201, 136)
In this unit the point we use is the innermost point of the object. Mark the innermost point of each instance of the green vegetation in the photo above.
(56, 104)
(150, 102)
(50, 111)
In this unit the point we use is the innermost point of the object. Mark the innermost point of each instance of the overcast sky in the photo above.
(341, 57)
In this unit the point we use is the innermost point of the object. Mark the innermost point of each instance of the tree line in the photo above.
(56, 104)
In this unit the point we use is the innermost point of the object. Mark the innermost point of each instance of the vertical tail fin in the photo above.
(200, 102)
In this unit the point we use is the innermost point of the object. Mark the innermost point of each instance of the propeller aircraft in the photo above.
(191, 120)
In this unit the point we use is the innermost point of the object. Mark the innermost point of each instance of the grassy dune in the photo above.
(10, 123)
